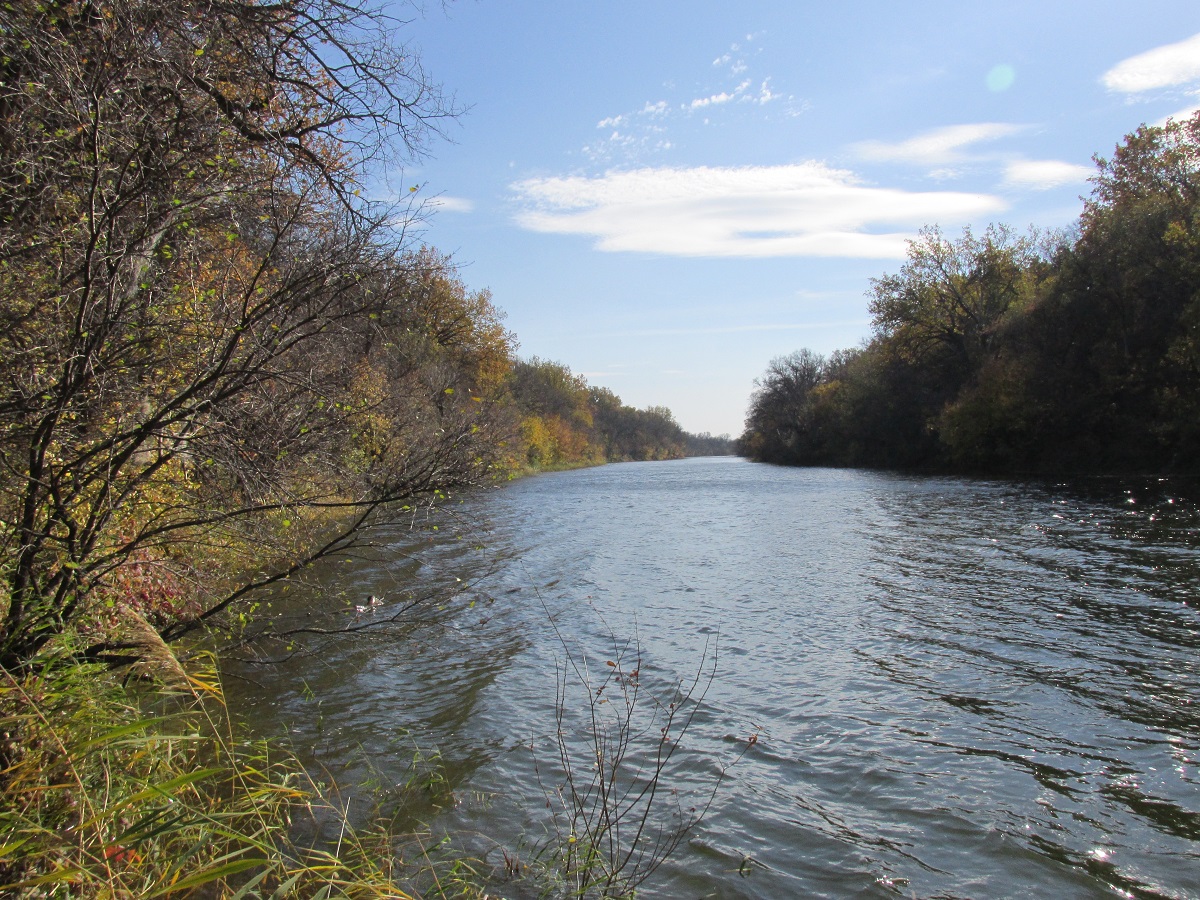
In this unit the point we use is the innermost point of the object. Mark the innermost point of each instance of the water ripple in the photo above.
(959, 688)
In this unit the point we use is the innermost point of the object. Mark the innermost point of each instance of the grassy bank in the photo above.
(108, 790)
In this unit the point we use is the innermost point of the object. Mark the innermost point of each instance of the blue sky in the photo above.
(664, 195)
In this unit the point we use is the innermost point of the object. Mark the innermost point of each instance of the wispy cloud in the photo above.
(718, 99)
(445, 203)
(940, 147)
(636, 135)
(631, 141)
(742, 93)
(733, 58)
(1166, 66)
(806, 209)
(1186, 113)
(1043, 174)
(765, 95)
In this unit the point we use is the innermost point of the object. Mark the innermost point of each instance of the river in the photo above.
(911, 686)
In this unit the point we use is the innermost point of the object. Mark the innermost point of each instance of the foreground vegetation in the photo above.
(218, 365)
(1076, 352)
(102, 799)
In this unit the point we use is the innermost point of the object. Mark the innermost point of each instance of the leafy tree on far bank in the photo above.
(565, 421)
(1129, 297)
(707, 444)
(780, 425)
(1060, 353)
(945, 306)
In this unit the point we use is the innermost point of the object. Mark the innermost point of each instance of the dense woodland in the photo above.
(566, 422)
(219, 364)
(1072, 352)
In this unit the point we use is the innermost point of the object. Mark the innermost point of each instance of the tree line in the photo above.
(218, 362)
(565, 422)
(1056, 352)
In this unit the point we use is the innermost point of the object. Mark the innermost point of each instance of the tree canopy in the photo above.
(206, 334)
(565, 421)
(1070, 352)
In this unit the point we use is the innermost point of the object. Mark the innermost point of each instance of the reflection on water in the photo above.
(962, 688)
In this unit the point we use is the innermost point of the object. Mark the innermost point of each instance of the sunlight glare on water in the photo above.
(958, 688)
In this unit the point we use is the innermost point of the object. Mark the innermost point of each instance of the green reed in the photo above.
(110, 793)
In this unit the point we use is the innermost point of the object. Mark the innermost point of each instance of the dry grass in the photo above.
(102, 800)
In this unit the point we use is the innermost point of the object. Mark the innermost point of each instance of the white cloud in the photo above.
(444, 203)
(714, 100)
(939, 147)
(725, 96)
(764, 95)
(718, 99)
(612, 122)
(1180, 115)
(806, 209)
(1165, 66)
(612, 144)
(736, 65)
(1043, 174)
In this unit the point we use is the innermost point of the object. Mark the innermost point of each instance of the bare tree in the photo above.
(206, 339)
(618, 789)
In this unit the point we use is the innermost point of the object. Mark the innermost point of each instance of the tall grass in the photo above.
(107, 794)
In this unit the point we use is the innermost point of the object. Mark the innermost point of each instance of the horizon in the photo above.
(665, 198)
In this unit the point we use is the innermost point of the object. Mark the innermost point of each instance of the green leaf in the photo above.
(131, 728)
(158, 790)
(209, 875)
(250, 885)
(285, 889)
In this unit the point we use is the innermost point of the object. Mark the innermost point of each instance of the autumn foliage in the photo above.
(1059, 353)
(566, 422)
(216, 362)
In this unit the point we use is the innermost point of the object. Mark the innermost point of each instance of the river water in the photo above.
(911, 686)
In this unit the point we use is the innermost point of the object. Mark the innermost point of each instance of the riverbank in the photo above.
(138, 781)
(108, 791)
